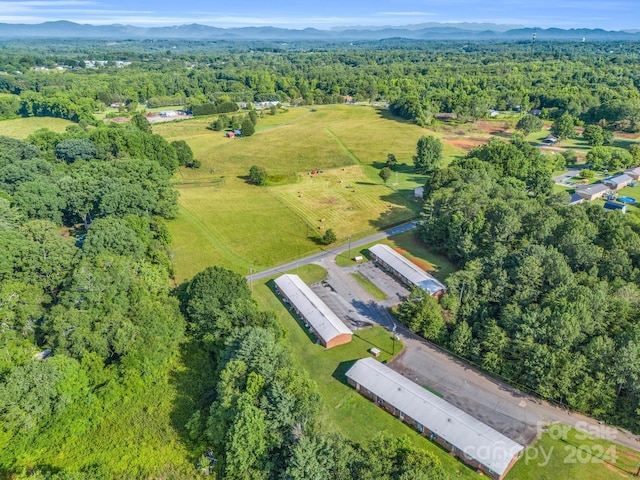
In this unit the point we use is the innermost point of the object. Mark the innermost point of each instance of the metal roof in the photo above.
(324, 322)
(469, 435)
(407, 269)
(591, 189)
(618, 179)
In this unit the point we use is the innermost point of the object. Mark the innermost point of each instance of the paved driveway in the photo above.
(565, 177)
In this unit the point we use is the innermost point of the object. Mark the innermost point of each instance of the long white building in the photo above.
(404, 270)
(474, 442)
(324, 324)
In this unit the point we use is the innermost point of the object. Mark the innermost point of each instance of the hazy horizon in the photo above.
(617, 15)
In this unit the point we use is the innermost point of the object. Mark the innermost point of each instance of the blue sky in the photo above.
(615, 14)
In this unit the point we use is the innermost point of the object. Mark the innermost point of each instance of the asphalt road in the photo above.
(331, 252)
(517, 415)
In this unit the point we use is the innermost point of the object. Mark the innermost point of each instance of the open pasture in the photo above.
(21, 128)
(242, 226)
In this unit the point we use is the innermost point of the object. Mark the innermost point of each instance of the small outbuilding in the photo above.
(418, 192)
(472, 441)
(323, 323)
(611, 206)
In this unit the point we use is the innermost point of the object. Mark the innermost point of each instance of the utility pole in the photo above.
(349, 239)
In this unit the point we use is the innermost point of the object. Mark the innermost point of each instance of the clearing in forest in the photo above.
(21, 128)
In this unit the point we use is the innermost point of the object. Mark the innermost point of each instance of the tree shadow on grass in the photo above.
(399, 167)
(387, 115)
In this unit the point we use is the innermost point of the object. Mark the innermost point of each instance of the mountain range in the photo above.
(429, 31)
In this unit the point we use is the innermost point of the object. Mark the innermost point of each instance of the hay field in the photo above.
(21, 128)
(241, 226)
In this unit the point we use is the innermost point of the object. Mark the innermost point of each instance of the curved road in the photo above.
(333, 251)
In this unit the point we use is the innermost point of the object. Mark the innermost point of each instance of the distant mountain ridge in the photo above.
(428, 31)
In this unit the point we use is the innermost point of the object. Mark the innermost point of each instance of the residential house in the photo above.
(592, 192)
(618, 182)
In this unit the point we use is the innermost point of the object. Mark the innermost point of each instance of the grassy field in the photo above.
(369, 286)
(563, 452)
(242, 226)
(21, 128)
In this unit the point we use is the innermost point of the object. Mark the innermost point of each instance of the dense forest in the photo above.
(592, 82)
(547, 295)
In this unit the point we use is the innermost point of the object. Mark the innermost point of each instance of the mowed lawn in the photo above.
(21, 128)
(234, 225)
(566, 453)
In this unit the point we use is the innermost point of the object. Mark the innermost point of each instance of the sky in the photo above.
(324, 14)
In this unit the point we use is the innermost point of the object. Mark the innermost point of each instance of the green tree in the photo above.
(588, 174)
(329, 237)
(140, 122)
(247, 128)
(219, 123)
(258, 175)
(385, 174)
(216, 301)
(75, 149)
(593, 135)
(428, 154)
(529, 124)
(392, 161)
(253, 116)
(461, 339)
(183, 152)
(422, 314)
(40, 199)
(564, 127)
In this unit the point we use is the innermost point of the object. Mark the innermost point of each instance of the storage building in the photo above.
(323, 323)
(405, 271)
(472, 441)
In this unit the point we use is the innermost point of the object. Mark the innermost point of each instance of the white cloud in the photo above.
(408, 14)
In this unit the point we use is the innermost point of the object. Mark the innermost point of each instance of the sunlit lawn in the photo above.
(21, 128)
